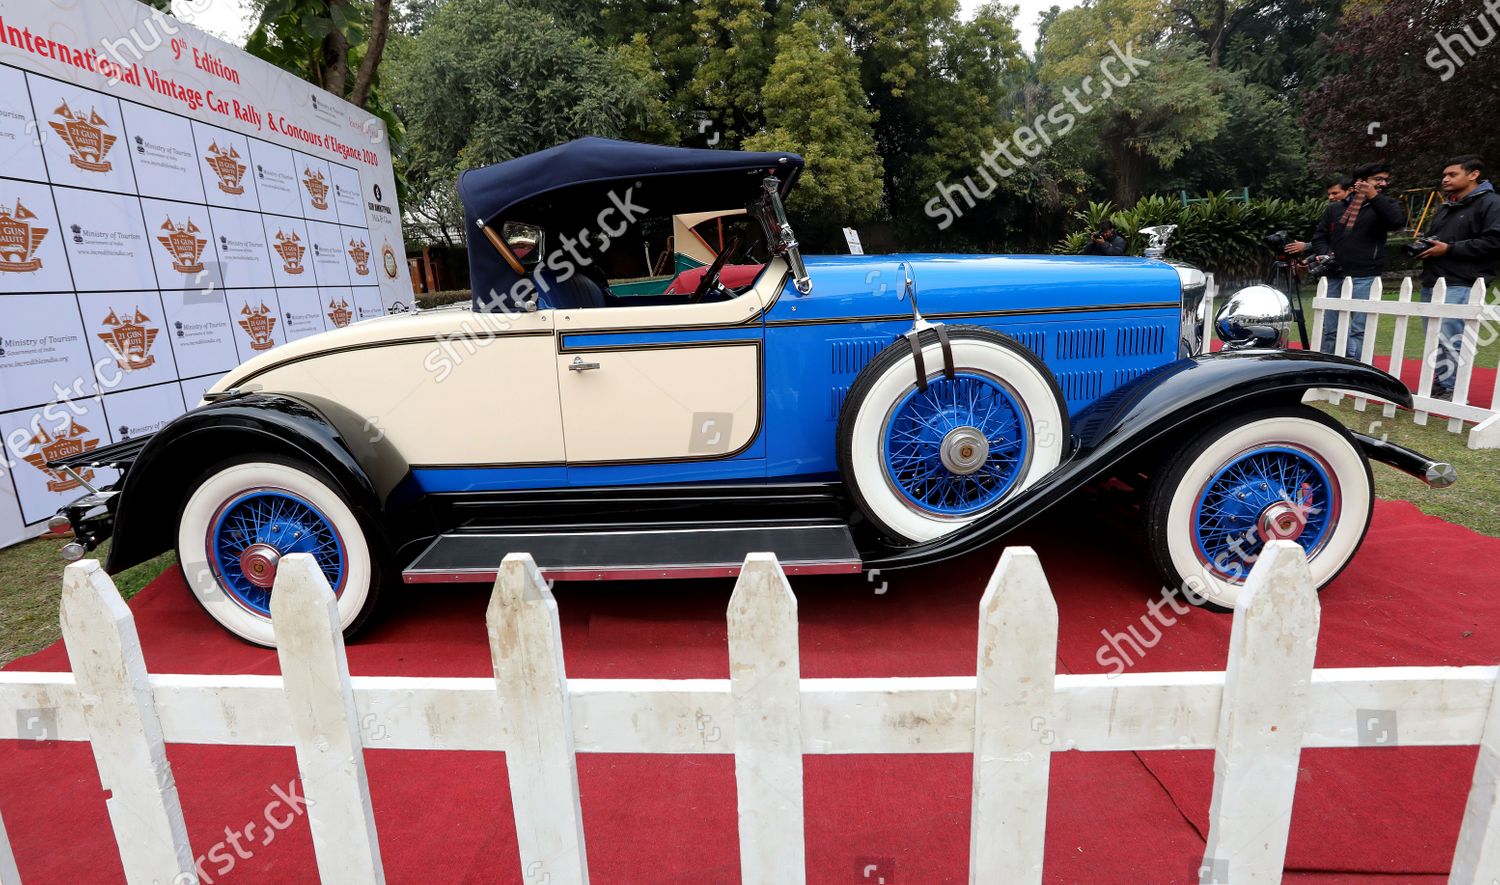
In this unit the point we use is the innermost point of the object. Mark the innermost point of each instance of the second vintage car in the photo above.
(845, 412)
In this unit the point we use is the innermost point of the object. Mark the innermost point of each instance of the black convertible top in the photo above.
(525, 183)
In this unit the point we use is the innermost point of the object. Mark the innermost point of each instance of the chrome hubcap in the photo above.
(1282, 521)
(258, 563)
(964, 450)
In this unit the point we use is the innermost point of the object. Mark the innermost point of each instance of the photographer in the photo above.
(1463, 245)
(1105, 241)
(1354, 230)
(1338, 189)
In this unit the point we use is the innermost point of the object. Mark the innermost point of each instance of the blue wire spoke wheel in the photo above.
(1271, 492)
(254, 530)
(958, 447)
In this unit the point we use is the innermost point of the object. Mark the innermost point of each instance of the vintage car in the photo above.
(845, 412)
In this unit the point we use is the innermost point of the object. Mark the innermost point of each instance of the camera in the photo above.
(1100, 235)
(1324, 266)
(1278, 241)
(1418, 246)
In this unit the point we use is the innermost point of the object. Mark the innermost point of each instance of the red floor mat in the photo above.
(1419, 593)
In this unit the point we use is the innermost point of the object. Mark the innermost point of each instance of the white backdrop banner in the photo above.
(169, 207)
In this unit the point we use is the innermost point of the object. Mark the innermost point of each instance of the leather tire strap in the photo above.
(948, 371)
(916, 354)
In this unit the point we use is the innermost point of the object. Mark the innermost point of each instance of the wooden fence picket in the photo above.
(115, 692)
(325, 723)
(536, 724)
(765, 683)
(1398, 341)
(9, 875)
(1371, 332)
(1476, 861)
(1013, 734)
(1467, 351)
(1262, 718)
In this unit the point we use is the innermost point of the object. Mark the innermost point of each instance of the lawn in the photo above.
(31, 584)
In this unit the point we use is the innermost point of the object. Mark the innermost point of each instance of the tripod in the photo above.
(1284, 278)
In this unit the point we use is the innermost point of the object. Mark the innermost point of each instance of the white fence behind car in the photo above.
(1256, 717)
(1479, 325)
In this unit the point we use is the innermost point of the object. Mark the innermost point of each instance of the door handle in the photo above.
(578, 365)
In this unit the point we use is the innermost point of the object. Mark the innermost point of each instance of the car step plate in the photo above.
(637, 554)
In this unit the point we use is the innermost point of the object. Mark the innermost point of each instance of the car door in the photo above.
(663, 382)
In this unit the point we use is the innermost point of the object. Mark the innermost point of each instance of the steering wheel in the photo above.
(710, 279)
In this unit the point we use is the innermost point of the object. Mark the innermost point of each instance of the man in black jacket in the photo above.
(1354, 231)
(1105, 242)
(1466, 247)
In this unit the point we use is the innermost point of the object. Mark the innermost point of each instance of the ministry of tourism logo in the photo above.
(184, 245)
(70, 441)
(317, 187)
(19, 239)
(289, 247)
(361, 255)
(258, 323)
(130, 340)
(226, 164)
(339, 313)
(85, 137)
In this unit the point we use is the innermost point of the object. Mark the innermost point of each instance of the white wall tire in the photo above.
(1218, 500)
(904, 453)
(220, 510)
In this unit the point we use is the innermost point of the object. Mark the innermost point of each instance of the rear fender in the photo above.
(1156, 408)
(363, 467)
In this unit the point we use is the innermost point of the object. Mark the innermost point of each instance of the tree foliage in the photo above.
(815, 106)
(1430, 102)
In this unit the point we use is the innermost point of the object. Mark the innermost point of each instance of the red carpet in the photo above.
(1418, 594)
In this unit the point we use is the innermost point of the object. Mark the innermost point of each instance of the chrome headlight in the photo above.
(1194, 287)
(1255, 318)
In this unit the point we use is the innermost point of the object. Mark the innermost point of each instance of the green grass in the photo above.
(31, 585)
(1473, 501)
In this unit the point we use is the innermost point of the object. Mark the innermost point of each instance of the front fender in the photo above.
(1132, 417)
(158, 482)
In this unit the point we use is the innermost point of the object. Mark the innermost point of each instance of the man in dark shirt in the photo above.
(1466, 247)
(1105, 242)
(1354, 230)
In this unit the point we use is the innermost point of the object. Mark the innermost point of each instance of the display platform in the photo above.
(1420, 592)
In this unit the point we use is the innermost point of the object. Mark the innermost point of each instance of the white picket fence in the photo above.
(1256, 717)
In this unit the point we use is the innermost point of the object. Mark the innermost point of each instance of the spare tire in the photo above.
(923, 460)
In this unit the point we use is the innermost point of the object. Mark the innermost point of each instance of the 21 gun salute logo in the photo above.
(289, 247)
(317, 187)
(66, 442)
(19, 239)
(339, 313)
(130, 340)
(360, 252)
(227, 166)
(184, 245)
(258, 325)
(85, 137)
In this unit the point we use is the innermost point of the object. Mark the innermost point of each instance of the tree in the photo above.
(469, 99)
(814, 105)
(325, 42)
(1174, 103)
(1411, 84)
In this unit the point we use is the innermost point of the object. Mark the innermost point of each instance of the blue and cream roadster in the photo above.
(623, 412)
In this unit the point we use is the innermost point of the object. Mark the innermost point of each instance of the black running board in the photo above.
(625, 554)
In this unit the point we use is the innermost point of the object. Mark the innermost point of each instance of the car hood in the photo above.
(848, 286)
